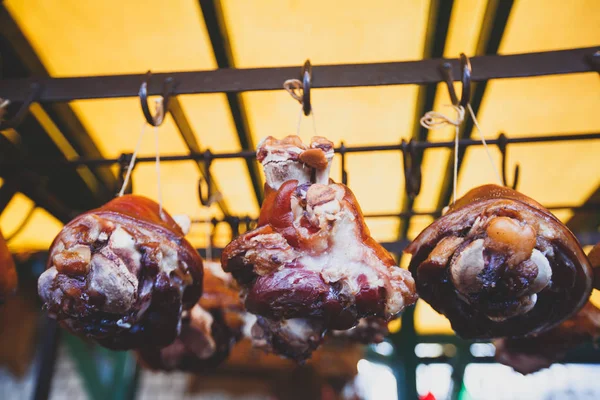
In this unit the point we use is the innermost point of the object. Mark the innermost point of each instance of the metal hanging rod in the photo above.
(246, 219)
(326, 76)
(502, 140)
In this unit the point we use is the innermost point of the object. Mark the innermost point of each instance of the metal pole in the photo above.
(47, 360)
(349, 75)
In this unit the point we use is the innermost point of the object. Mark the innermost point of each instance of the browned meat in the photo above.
(8, 272)
(121, 275)
(311, 265)
(208, 331)
(530, 354)
(498, 264)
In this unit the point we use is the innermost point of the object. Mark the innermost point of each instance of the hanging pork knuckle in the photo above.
(121, 275)
(311, 265)
(498, 264)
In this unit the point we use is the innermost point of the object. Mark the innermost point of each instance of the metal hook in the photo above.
(206, 199)
(248, 222)
(36, 88)
(124, 161)
(234, 224)
(343, 155)
(412, 169)
(465, 77)
(306, 83)
(213, 231)
(168, 85)
(502, 143)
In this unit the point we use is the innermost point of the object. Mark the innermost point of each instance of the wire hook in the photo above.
(168, 85)
(502, 144)
(294, 85)
(206, 199)
(306, 84)
(15, 121)
(465, 77)
(412, 168)
(234, 224)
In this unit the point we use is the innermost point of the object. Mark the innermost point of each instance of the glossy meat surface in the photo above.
(121, 275)
(208, 331)
(311, 265)
(498, 264)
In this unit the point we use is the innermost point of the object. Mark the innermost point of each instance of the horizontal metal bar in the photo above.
(584, 238)
(463, 143)
(593, 207)
(325, 76)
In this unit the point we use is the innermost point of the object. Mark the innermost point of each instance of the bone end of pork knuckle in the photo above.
(119, 281)
(313, 259)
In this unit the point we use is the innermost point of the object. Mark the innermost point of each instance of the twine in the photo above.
(433, 120)
(160, 113)
(294, 88)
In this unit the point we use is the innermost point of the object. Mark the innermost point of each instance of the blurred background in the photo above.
(422, 357)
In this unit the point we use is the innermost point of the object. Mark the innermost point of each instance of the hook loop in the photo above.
(158, 118)
(209, 198)
(234, 224)
(465, 77)
(502, 144)
(15, 121)
(306, 84)
(412, 168)
(299, 89)
(205, 198)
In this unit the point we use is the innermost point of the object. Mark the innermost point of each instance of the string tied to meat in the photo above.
(295, 89)
(160, 113)
(433, 120)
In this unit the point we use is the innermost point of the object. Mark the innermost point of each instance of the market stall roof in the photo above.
(76, 38)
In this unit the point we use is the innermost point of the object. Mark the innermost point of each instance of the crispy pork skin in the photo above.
(121, 275)
(311, 265)
(498, 264)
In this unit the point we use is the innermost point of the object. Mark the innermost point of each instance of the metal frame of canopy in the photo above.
(326, 76)
(232, 81)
